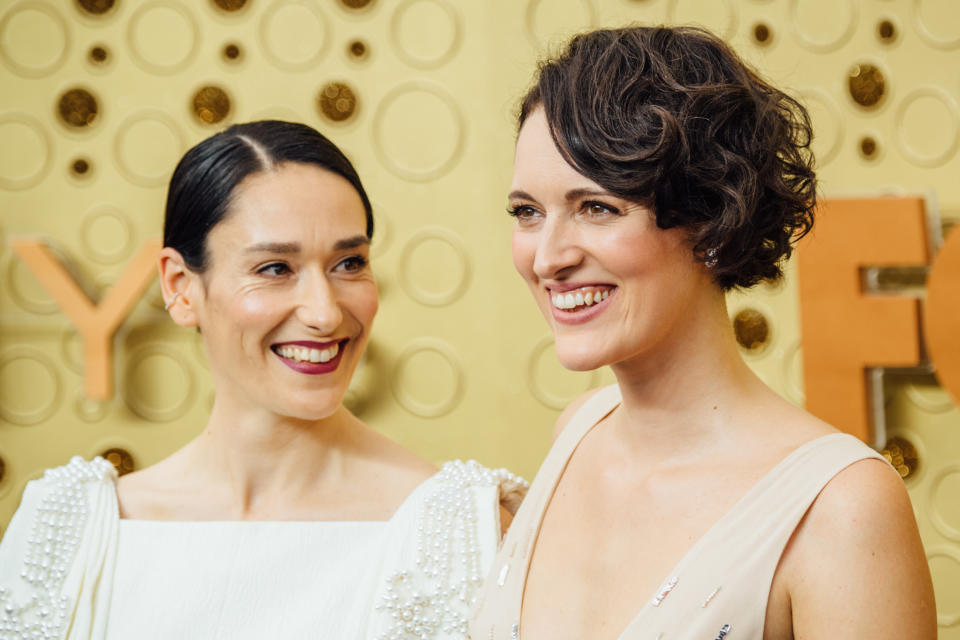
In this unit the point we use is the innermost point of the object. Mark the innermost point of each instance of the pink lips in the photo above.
(584, 315)
(312, 368)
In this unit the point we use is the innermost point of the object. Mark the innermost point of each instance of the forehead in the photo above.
(538, 160)
(295, 196)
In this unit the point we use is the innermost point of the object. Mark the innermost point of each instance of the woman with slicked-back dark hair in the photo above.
(286, 517)
(654, 171)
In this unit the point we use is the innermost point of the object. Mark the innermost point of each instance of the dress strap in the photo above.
(497, 614)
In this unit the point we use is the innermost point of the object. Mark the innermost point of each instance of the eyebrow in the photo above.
(570, 196)
(294, 247)
(351, 243)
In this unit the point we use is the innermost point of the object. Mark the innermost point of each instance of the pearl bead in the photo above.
(438, 595)
(51, 547)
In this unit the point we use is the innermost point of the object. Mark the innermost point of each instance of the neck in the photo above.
(260, 462)
(683, 398)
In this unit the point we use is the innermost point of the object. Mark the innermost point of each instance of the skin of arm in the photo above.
(855, 567)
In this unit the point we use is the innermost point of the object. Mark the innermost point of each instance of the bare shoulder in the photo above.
(855, 566)
(564, 418)
(392, 468)
(149, 493)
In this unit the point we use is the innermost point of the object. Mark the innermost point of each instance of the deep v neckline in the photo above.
(756, 488)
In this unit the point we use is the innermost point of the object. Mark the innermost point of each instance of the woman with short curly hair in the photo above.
(654, 171)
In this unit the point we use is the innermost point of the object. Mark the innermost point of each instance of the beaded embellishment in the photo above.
(436, 596)
(51, 548)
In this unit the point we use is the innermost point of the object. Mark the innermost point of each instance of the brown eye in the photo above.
(353, 263)
(598, 209)
(274, 269)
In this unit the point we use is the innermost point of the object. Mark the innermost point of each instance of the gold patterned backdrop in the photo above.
(99, 98)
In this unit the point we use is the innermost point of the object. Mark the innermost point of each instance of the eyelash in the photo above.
(265, 268)
(519, 210)
(358, 262)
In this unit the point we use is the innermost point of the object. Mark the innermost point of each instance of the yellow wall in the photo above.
(461, 364)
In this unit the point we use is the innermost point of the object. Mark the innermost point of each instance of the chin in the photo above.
(318, 406)
(579, 358)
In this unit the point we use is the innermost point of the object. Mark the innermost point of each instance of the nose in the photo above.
(318, 306)
(558, 251)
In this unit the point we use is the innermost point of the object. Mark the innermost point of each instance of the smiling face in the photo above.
(612, 285)
(286, 304)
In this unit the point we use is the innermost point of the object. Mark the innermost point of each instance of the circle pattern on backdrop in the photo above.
(25, 151)
(551, 384)
(159, 384)
(434, 267)
(825, 25)
(163, 36)
(29, 386)
(147, 147)
(928, 127)
(34, 39)
(428, 378)
(409, 114)
(425, 33)
(294, 34)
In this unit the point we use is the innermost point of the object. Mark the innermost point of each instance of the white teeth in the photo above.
(579, 298)
(304, 354)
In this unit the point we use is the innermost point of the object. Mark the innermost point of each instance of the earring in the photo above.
(711, 260)
(167, 306)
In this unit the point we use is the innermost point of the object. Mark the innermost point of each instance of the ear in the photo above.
(181, 287)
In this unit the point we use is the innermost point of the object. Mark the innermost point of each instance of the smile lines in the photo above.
(583, 297)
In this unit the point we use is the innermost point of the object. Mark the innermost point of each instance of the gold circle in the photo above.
(337, 101)
(358, 49)
(232, 52)
(211, 104)
(762, 33)
(356, 4)
(121, 459)
(99, 54)
(96, 7)
(80, 167)
(886, 31)
(901, 453)
(868, 147)
(77, 108)
(230, 5)
(867, 85)
(752, 329)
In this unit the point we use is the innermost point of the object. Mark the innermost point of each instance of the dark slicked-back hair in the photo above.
(205, 179)
(672, 118)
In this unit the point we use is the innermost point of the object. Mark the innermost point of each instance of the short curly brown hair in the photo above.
(671, 117)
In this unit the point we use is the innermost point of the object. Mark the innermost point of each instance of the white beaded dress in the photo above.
(70, 568)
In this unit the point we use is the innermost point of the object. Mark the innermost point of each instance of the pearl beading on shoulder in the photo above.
(51, 547)
(436, 596)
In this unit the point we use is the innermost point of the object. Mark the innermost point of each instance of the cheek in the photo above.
(524, 250)
(363, 301)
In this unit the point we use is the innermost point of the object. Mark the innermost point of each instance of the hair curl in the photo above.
(672, 118)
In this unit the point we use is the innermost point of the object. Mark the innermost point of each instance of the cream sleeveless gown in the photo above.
(719, 589)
